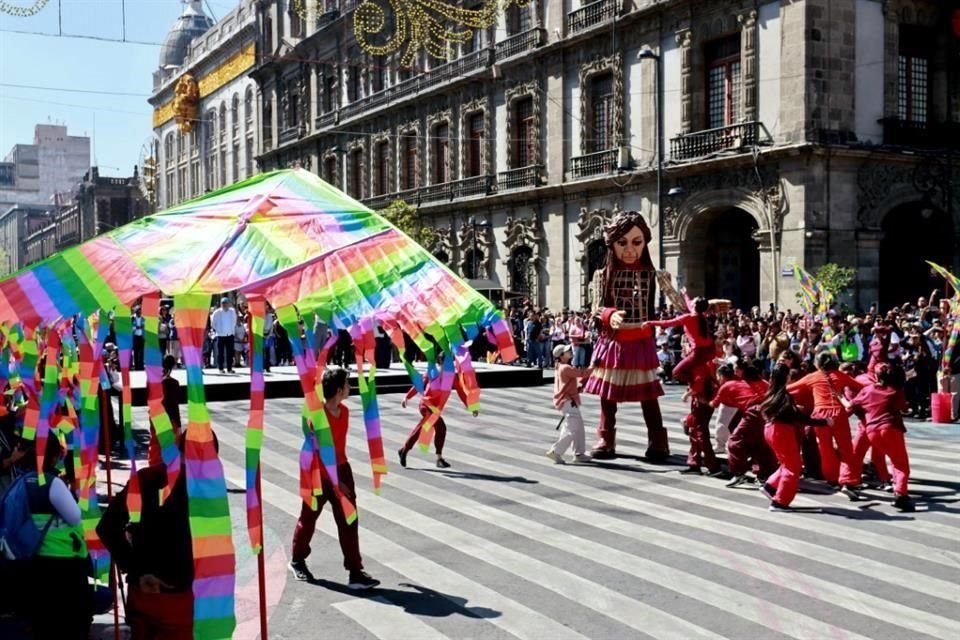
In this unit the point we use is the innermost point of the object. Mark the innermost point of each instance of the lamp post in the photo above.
(473, 255)
(646, 53)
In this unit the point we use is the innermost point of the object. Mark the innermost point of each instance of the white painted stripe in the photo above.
(627, 611)
(386, 620)
(516, 619)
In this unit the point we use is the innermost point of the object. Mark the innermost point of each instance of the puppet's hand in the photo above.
(616, 319)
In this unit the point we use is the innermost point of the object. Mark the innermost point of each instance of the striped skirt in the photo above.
(625, 370)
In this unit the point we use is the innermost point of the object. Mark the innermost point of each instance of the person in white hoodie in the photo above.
(223, 321)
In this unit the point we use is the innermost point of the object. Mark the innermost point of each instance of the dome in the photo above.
(191, 24)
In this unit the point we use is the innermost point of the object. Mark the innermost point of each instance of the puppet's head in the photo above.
(628, 238)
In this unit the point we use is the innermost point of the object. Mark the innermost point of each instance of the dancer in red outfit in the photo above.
(625, 360)
(783, 420)
(431, 398)
(824, 388)
(697, 424)
(861, 443)
(880, 406)
(746, 445)
(697, 328)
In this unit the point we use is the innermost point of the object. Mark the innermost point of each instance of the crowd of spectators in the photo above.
(913, 335)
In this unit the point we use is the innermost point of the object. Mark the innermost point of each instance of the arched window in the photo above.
(521, 265)
(168, 149)
(223, 123)
(248, 108)
(235, 114)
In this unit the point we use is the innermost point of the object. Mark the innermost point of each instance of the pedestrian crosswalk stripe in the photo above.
(384, 619)
(515, 618)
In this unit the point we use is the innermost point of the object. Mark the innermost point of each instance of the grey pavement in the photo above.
(506, 544)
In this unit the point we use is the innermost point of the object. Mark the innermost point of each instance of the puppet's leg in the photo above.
(658, 447)
(606, 446)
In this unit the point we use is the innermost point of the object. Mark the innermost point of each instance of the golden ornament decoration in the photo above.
(186, 102)
(19, 11)
(423, 24)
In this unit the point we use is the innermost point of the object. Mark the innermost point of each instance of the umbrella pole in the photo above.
(114, 571)
(261, 568)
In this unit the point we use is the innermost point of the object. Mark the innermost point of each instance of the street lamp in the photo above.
(483, 224)
(646, 53)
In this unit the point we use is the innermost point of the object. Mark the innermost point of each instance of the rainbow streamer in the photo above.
(364, 346)
(123, 328)
(254, 436)
(213, 556)
(442, 382)
(468, 379)
(954, 338)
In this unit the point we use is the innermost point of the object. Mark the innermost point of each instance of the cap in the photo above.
(224, 299)
(560, 349)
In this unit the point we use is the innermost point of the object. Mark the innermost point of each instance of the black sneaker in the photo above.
(904, 504)
(736, 481)
(720, 474)
(691, 471)
(603, 454)
(300, 571)
(779, 508)
(403, 458)
(852, 494)
(442, 464)
(361, 580)
(655, 456)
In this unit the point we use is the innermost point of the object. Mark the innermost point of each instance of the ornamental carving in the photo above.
(881, 187)
(186, 103)
(613, 65)
(475, 236)
(524, 239)
(468, 109)
(593, 248)
(530, 90)
(434, 121)
(442, 246)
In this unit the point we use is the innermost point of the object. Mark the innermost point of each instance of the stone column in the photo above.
(748, 54)
(891, 52)
(767, 275)
(868, 267)
(685, 40)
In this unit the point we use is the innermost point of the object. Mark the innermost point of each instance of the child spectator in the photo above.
(566, 399)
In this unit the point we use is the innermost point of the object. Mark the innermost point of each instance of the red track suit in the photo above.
(695, 363)
(739, 394)
(747, 446)
(781, 434)
(432, 397)
(698, 428)
(824, 387)
(861, 443)
(881, 409)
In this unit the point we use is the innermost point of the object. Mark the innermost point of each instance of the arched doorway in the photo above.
(720, 257)
(595, 258)
(912, 234)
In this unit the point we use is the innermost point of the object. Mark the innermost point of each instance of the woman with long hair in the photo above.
(783, 420)
(697, 327)
(624, 358)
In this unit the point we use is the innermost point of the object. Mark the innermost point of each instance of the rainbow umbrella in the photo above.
(314, 254)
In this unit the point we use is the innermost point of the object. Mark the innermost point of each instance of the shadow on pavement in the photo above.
(864, 512)
(418, 600)
(490, 477)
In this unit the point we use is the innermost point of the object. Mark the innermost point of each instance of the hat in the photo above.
(560, 349)
(224, 299)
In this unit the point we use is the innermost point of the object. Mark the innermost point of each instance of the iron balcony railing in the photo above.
(519, 43)
(594, 164)
(325, 120)
(289, 134)
(734, 137)
(924, 135)
(524, 177)
(591, 15)
(468, 187)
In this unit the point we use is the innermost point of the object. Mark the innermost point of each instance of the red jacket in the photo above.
(822, 388)
(691, 326)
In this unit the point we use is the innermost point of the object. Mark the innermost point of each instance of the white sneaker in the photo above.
(556, 457)
(583, 457)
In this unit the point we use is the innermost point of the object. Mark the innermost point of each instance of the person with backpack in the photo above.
(41, 540)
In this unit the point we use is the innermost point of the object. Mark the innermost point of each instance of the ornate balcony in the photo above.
(594, 164)
(519, 43)
(290, 134)
(475, 186)
(734, 137)
(379, 201)
(522, 178)
(434, 192)
(591, 15)
(923, 135)
(327, 119)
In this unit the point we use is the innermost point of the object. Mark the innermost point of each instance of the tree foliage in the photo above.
(835, 278)
(406, 218)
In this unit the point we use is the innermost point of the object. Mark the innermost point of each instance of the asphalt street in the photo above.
(506, 544)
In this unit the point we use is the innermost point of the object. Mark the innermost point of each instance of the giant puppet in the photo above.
(625, 356)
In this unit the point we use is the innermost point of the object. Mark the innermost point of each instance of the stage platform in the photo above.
(283, 382)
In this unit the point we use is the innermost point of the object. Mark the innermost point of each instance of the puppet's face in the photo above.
(629, 248)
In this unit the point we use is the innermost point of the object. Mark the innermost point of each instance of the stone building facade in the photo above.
(206, 116)
(801, 131)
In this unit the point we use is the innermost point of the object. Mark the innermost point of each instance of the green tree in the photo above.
(835, 278)
(404, 217)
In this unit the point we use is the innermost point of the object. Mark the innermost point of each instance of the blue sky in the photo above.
(123, 123)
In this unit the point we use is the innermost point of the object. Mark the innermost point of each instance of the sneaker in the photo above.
(852, 494)
(654, 456)
(553, 455)
(361, 580)
(300, 571)
(904, 504)
(442, 464)
(888, 487)
(693, 471)
(768, 490)
(403, 458)
(720, 474)
(222, 371)
(230, 371)
(603, 454)
(779, 508)
(583, 457)
(736, 481)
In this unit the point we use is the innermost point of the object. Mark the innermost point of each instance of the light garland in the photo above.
(421, 24)
(19, 11)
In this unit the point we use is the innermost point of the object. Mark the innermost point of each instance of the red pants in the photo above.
(160, 616)
(657, 443)
(747, 447)
(349, 534)
(889, 441)
(694, 364)
(861, 443)
(782, 438)
(698, 430)
(845, 469)
(439, 428)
